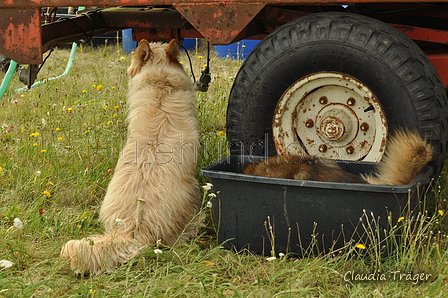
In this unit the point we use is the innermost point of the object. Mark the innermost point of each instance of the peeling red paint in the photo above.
(440, 62)
(20, 35)
(423, 34)
(226, 23)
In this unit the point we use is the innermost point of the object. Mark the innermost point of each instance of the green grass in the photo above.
(59, 145)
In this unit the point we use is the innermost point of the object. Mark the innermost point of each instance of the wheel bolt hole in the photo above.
(309, 123)
(350, 149)
(351, 101)
(364, 126)
(323, 148)
(323, 100)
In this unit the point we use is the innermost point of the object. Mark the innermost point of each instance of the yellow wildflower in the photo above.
(400, 219)
(105, 107)
(22, 95)
(60, 138)
(35, 144)
(99, 87)
(110, 122)
(122, 58)
(43, 150)
(360, 246)
(113, 87)
(221, 133)
(441, 212)
(50, 183)
(57, 129)
(101, 124)
(35, 134)
(47, 193)
(115, 115)
(70, 109)
(93, 86)
(84, 91)
(116, 107)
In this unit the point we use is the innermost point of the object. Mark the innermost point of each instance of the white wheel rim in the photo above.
(330, 115)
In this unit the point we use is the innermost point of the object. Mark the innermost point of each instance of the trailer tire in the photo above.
(279, 96)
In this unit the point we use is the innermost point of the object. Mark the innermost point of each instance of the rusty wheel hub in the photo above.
(330, 115)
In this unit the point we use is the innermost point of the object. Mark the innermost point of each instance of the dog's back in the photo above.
(406, 155)
(301, 168)
(153, 193)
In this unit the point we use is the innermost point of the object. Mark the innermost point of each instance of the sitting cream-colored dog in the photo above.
(153, 193)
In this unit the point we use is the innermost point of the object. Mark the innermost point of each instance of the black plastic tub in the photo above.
(262, 214)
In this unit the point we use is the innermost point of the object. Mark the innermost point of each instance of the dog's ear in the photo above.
(141, 55)
(143, 51)
(172, 51)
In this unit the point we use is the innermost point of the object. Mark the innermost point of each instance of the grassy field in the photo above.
(59, 143)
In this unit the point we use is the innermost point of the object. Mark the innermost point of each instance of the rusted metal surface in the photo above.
(219, 21)
(221, 24)
(20, 35)
(423, 34)
(62, 32)
(440, 62)
(153, 24)
(105, 3)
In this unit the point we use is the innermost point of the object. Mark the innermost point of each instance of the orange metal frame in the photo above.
(24, 39)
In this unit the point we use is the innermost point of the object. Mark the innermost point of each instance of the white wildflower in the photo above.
(212, 195)
(281, 255)
(141, 200)
(18, 223)
(38, 173)
(157, 251)
(207, 186)
(271, 258)
(119, 222)
(6, 264)
(159, 242)
(209, 204)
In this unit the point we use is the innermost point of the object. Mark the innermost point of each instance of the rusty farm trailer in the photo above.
(379, 78)
(331, 78)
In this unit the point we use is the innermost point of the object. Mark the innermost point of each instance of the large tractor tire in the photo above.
(335, 85)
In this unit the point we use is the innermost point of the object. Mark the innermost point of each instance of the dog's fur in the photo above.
(406, 155)
(153, 192)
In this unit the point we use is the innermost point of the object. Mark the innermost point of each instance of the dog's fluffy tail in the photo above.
(99, 253)
(407, 154)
